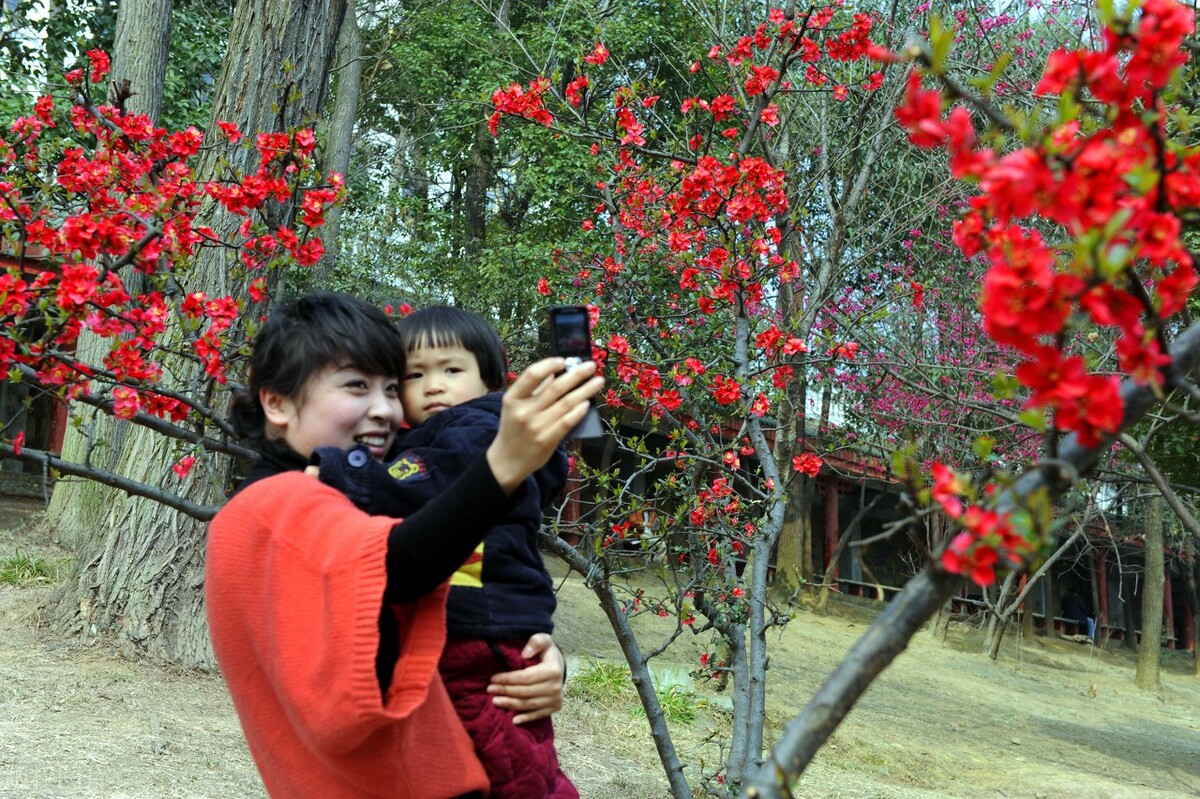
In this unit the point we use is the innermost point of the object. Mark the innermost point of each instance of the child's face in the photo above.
(438, 378)
(339, 407)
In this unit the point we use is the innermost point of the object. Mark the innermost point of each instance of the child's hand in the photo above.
(536, 691)
(352, 472)
(313, 471)
(540, 409)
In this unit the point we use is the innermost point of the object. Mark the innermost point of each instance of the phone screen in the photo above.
(569, 332)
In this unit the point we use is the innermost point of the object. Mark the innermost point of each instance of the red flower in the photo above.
(670, 399)
(966, 555)
(574, 90)
(947, 487)
(100, 64)
(726, 390)
(921, 113)
(721, 106)
(231, 131)
(126, 402)
(184, 466)
(808, 463)
(598, 55)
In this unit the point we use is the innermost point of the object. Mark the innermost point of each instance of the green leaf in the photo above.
(1034, 418)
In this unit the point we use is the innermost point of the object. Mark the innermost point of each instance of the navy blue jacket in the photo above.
(503, 590)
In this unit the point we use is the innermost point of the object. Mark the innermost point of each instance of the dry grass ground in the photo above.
(1051, 719)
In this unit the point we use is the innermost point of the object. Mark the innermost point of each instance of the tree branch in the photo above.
(925, 593)
(132, 487)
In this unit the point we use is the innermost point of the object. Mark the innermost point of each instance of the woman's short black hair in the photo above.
(444, 326)
(307, 335)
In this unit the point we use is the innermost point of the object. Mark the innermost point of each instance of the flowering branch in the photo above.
(133, 487)
(924, 594)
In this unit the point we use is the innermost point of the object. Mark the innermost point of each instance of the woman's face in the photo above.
(338, 407)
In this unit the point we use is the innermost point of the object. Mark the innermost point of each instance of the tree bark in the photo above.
(139, 70)
(138, 572)
(1150, 646)
(794, 564)
(479, 176)
(1130, 638)
(339, 141)
(139, 56)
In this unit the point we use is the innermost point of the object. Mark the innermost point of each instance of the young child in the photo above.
(502, 594)
(303, 590)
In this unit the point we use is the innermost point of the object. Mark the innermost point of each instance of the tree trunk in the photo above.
(637, 660)
(1003, 614)
(475, 195)
(1193, 601)
(1028, 628)
(1130, 637)
(138, 571)
(793, 559)
(339, 142)
(1051, 596)
(739, 738)
(1150, 646)
(139, 56)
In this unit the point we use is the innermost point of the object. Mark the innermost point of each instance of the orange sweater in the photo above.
(294, 586)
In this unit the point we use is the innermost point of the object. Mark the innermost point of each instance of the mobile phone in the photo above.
(571, 338)
(570, 334)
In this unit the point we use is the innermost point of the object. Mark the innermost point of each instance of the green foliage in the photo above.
(601, 681)
(23, 570)
(679, 705)
(407, 235)
(199, 30)
(36, 48)
(39, 40)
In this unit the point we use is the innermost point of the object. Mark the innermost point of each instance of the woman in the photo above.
(328, 623)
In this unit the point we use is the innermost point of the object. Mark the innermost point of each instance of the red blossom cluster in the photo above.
(1134, 272)
(118, 209)
(1118, 261)
(525, 102)
(988, 539)
(701, 230)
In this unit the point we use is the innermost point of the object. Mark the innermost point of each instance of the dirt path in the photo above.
(1051, 719)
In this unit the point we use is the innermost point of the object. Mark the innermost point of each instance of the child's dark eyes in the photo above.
(412, 376)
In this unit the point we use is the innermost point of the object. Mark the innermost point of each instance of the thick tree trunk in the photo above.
(139, 61)
(339, 141)
(1150, 647)
(139, 566)
(139, 56)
